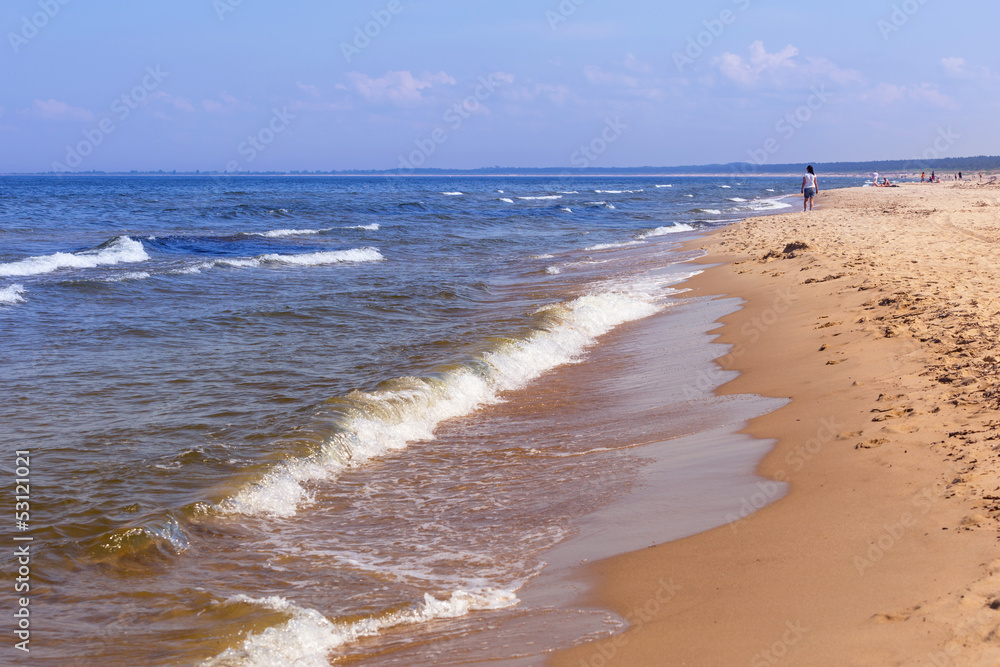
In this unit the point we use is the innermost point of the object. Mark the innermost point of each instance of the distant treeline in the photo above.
(946, 165)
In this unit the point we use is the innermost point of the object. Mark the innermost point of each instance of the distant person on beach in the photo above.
(810, 186)
(923, 176)
(875, 178)
(959, 175)
(932, 177)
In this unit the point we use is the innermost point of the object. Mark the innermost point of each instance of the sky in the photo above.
(252, 85)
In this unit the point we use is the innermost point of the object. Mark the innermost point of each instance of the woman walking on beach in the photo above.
(810, 186)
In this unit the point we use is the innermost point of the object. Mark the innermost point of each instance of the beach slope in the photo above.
(878, 315)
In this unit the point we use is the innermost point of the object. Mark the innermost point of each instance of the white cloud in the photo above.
(600, 77)
(178, 103)
(225, 104)
(310, 90)
(782, 68)
(56, 110)
(958, 68)
(400, 88)
(926, 94)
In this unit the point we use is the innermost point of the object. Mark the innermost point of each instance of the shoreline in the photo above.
(881, 552)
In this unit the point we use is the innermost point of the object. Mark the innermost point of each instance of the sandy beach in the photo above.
(878, 315)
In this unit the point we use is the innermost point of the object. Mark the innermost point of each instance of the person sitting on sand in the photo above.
(810, 186)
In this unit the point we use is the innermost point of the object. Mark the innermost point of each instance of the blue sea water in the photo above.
(234, 392)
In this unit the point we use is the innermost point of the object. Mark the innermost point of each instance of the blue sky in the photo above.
(249, 85)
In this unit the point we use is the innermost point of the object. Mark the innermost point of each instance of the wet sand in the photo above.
(884, 331)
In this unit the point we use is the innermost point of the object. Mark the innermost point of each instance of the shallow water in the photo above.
(277, 419)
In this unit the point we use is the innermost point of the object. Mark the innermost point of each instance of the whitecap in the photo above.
(661, 231)
(306, 639)
(120, 250)
(12, 294)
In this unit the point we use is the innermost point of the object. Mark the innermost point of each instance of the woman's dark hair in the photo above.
(810, 169)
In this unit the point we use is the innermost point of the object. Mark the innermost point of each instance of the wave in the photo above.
(768, 204)
(609, 246)
(736, 199)
(663, 186)
(616, 192)
(553, 270)
(308, 636)
(281, 233)
(661, 231)
(12, 294)
(727, 187)
(713, 211)
(506, 199)
(139, 546)
(119, 250)
(453, 194)
(541, 197)
(305, 259)
(567, 209)
(408, 409)
(374, 227)
(596, 204)
(131, 275)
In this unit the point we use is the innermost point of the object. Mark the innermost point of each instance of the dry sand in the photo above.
(885, 333)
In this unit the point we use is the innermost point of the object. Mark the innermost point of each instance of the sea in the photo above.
(374, 420)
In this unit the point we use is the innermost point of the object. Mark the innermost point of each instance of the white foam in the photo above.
(609, 246)
(305, 259)
(307, 638)
(131, 275)
(120, 250)
(553, 271)
(542, 256)
(737, 199)
(567, 209)
(725, 186)
(770, 189)
(768, 204)
(672, 229)
(374, 227)
(453, 194)
(12, 294)
(664, 186)
(689, 195)
(713, 211)
(408, 409)
(616, 192)
(568, 192)
(541, 197)
(506, 199)
(280, 233)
